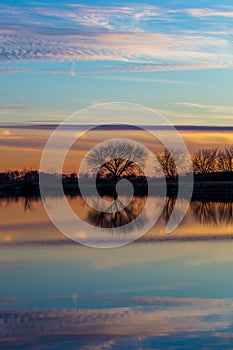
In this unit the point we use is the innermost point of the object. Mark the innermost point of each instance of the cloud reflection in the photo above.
(144, 318)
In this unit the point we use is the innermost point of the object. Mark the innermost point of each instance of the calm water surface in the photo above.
(163, 291)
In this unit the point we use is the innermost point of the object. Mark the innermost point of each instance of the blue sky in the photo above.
(58, 57)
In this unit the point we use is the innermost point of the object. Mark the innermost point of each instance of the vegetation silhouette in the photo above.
(213, 173)
(171, 162)
(226, 159)
(205, 161)
(117, 159)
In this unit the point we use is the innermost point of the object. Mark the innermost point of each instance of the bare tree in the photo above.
(225, 159)
(205, 160)
(117, 158)
(170, 162)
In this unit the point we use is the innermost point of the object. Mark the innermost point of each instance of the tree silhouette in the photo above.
(117, 159)
(170, 161)
(205, 160)
(225, 160)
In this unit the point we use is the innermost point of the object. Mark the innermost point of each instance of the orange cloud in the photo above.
(6, 133)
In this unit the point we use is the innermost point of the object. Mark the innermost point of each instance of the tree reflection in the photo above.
(205, 212)
(27, 202)
(118, 218)
(168, 208)
(217, 213)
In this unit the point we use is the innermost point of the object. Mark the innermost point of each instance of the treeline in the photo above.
(26, 182)
(19, 176)
(210, 160)
(205, 161)
(31, 175)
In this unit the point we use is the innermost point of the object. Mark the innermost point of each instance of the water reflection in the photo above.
(117, 217)
(129, 327)
(168, 208)
(27, 201)
(143, 295)
(23, 219)
(218, 213)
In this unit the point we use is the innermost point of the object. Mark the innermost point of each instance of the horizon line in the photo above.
(118, 126)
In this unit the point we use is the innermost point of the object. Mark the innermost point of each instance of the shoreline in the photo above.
(214, 186)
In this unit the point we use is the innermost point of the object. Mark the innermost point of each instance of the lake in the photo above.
(162, 291)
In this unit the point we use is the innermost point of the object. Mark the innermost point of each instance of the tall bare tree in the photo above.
(225, 159)
(205, 160)
(170, 162)
(117, 158)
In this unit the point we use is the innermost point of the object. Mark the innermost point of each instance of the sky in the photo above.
(58, 57)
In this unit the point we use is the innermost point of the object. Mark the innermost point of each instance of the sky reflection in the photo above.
(141, 325)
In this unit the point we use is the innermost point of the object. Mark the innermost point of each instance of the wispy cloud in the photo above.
(207, 12)
(142, 79)
(190, 104)
(142, 52)
(77, 17)
(12, 107)
(220, 109)
(125, 36)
